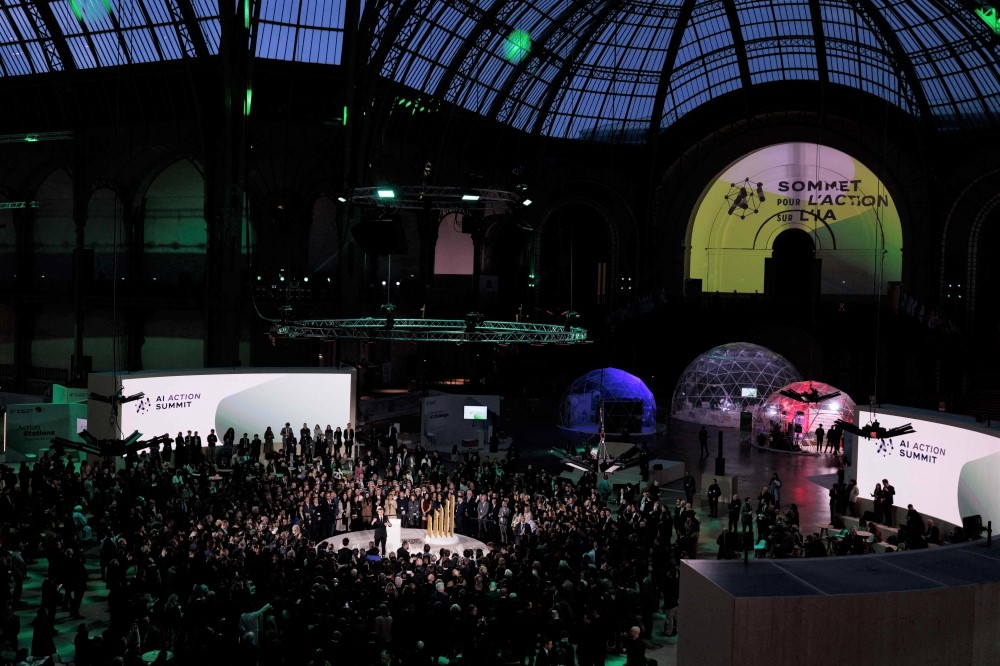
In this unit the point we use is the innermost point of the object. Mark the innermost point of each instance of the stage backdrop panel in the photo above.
(29, 428)
(459, 419)
(246, 401)
(947, 468)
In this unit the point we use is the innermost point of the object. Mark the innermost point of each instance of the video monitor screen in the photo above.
(475, 412)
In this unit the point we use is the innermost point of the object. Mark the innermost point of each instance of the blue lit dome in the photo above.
(727, 380)
(627, 403)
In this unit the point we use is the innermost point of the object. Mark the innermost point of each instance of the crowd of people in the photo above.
(224, 553)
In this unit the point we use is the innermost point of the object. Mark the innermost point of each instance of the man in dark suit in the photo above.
(933, 532)
(714, 492)
(546, 656)
(635, 649)
(888, 492)
(379, 525)
(346, 554)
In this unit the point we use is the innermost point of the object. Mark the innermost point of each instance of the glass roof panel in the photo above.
(83, 55)
(166, 36)
(205, 8)
(854, 56)
(210, 32)
(937, 40)
(301, 30)
(488, 65)
(593, 67)
(13, 60)
(21, 36)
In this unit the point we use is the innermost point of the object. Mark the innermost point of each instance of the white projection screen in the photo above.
(948, 468)
(247, 401)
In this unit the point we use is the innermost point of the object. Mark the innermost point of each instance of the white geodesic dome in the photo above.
(800, 418)
(627, 404)
(727, 380)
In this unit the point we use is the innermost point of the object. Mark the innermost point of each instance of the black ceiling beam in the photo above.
(668, 68)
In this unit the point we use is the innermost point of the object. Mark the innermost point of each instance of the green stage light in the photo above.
(247, 102)
(517, 46)
(386, 194)
(989, 15)
(89, 10)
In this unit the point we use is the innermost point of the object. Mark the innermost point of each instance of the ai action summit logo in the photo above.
(167, 401)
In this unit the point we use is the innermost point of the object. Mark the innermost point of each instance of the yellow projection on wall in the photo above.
(840, 203)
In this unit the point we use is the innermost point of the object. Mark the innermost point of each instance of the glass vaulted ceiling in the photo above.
(610, 71)
(621, 71)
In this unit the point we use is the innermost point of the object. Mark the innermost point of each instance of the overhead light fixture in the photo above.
(874, 430)
(342, 199)
(527, 202)
(470, 197)
(810, 396)
(385, 193)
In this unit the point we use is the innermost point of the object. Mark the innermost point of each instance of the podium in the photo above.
(393, 535)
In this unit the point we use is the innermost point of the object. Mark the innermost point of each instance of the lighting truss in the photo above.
(432, 330)
(34, 137)
(422, 197)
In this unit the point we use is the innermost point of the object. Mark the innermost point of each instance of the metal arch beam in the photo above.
(461, 65)
(911, 90)
(57, 53)
(188, 32)
(152, 33)
(386, 44)
(504, 102)
(683, 19)
(954, 51)
(739, 44)
(119, 34)
(431, 330)
(555, 91)
(819, 43)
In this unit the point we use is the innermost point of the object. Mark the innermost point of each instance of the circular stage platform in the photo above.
(416, 537)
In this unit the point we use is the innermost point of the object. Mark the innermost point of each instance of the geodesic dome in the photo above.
(627, 404)
(799, 418)
(727, 380)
